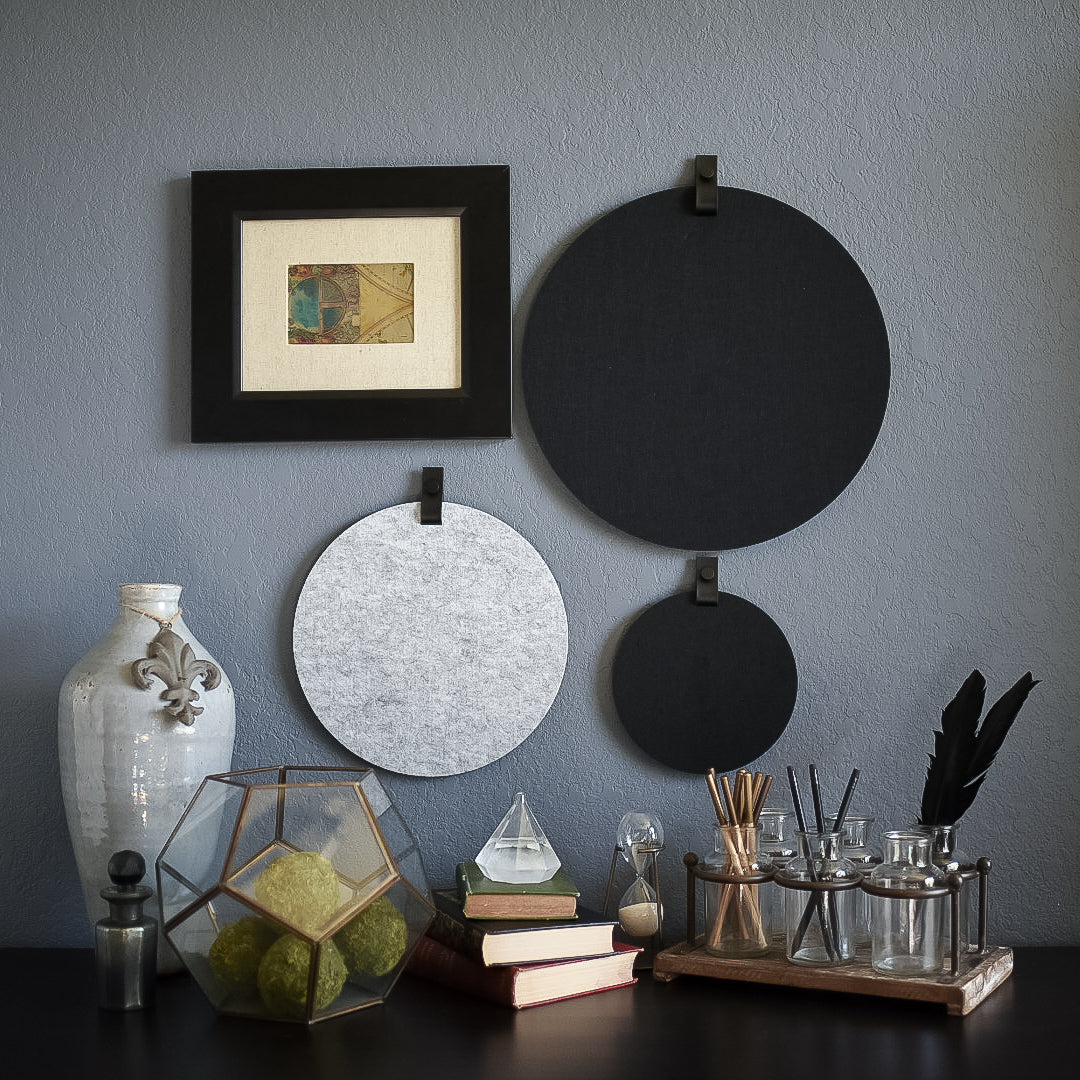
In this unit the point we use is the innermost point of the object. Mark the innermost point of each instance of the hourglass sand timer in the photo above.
(640, 838)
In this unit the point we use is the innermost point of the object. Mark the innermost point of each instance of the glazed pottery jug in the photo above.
(142, 719)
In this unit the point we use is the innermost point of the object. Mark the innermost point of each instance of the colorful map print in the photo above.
(351, 304)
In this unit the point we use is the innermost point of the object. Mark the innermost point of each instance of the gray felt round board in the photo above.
(430, 650)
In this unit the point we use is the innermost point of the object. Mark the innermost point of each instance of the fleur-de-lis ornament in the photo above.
(173, 661)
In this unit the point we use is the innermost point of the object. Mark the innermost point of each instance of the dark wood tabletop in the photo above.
(50, 1023)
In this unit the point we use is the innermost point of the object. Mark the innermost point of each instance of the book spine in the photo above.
(439, 963)
(456, 935)
(461, 878)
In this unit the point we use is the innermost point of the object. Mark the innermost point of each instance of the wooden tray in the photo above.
(979, 976)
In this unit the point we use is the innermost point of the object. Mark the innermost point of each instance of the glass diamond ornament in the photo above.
(293, 892)
(517, 851)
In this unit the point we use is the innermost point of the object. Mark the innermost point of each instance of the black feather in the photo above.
(963, 751)
(997, 723)
(954, 745)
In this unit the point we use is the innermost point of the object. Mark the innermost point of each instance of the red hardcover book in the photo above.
(523, 985)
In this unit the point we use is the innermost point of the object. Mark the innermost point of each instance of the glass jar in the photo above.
(736, 922)
(820, 888)
(945, 854)
(908, 931)
(777, 844)
(855, 844)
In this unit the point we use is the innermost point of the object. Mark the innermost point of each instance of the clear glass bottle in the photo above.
(736, 920)
(856, 845)
(945, 854)
(908, 933)
(820, 888)
(777, 844)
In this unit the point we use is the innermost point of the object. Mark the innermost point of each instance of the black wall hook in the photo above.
(431, 494)
(706, 192)
(707, 580)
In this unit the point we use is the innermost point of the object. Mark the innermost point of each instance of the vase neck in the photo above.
(907, 847)
(944, 839)
(159, 602)
(774, 825)
(726, 835)
(854, 829)
(819, 845)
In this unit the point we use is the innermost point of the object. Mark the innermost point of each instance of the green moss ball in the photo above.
(283, 977)
(375, 940)
(301, 889)
(238, 949)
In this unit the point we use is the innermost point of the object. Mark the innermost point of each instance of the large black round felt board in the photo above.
(706, 382)
(701, 686)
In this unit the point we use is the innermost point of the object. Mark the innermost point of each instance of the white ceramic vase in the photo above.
(143, 718)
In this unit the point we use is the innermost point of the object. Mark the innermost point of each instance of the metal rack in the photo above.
(971, 979)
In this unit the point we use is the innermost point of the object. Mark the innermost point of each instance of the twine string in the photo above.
(165, 624)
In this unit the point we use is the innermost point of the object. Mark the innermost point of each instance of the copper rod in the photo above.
(729, 800)
(762, 795)
(743, 782)
(714, 794)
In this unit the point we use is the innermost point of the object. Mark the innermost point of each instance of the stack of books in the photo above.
(520, 945)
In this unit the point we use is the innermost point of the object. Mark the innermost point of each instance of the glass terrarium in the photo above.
(293, 892)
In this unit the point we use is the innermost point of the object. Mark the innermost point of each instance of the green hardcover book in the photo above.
(482, 898)
(519, 941)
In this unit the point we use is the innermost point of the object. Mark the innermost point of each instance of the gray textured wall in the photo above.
(937, 142)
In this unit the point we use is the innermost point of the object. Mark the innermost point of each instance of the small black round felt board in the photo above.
(706, 382)
(701, 686)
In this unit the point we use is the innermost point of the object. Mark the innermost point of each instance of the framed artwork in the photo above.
(368, 303)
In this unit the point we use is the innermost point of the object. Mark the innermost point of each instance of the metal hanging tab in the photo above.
(431, 493)
(707, 580)
(706, 191)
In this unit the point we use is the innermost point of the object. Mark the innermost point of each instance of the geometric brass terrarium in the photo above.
(293, 892)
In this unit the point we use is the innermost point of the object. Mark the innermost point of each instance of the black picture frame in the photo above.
(480, 407)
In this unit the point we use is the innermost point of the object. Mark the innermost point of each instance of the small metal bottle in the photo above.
(126, 940)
